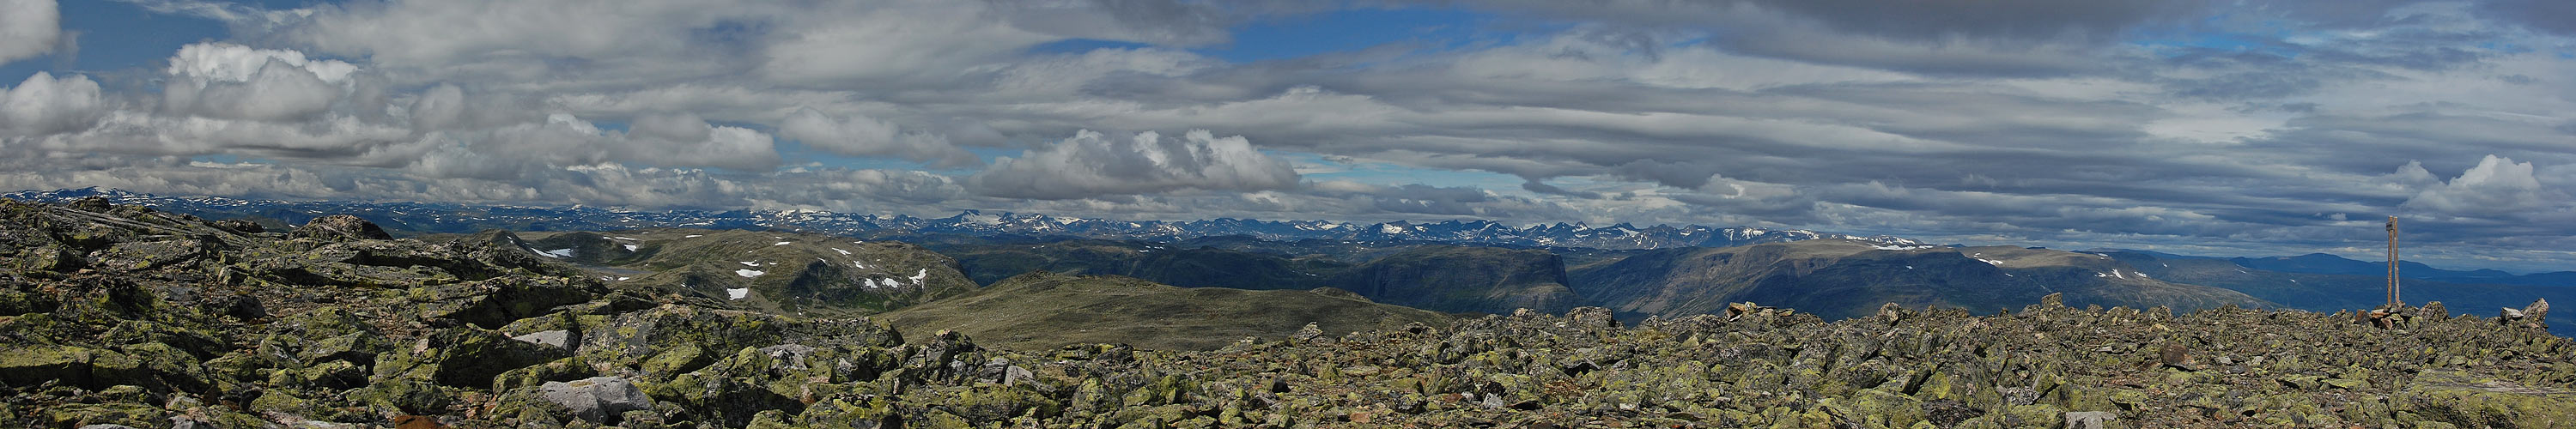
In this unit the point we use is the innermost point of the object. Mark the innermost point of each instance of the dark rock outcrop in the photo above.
(341, 228)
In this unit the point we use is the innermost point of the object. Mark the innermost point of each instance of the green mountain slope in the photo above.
(1464, 279)
(1043, 310)
(1167, 264)
(1842, 278)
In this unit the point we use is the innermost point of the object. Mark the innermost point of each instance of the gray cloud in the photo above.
(858, 135)
(2019, 19)
(1093, 164)
(2544, 15)
(2098, 123)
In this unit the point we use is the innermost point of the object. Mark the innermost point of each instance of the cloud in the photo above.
(2496, 186)
(2544, 15)
(2021, 19)
(2246, 124)
(664, 140)
(1547, 189)
(858, 135)
(228, 81)
(1091, 164)
(44, 105)
(28, 28)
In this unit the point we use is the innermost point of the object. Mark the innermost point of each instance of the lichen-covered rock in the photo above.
(2090, 419)
(596, 399)
(2465, 400)
(492, 303)
(465, 357)
(2534, 316)
(341, 227)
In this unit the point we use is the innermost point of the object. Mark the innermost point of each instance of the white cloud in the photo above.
(2497, 186)
(221, 80)
(44, 104)
(667, 140)
(859, 135)
(225, 62)
(1091, 164)
(28, 28)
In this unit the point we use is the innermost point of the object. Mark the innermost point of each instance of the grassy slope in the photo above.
(1464, 279)
(1045, 310)
(1166, 264)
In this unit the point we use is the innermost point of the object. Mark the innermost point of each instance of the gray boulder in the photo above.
(2535, 315)
(596, 399)
(2090, 419)
(558, 338)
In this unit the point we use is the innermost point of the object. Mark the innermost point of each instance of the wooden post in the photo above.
(2393, 301)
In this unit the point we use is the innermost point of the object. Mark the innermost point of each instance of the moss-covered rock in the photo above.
(466, 357)
(2468, 401)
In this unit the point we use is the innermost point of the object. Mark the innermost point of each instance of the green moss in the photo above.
(129, 414)
(566, 369)
(32, 365)
(409, 396)
(676, 360)
(2467, 401)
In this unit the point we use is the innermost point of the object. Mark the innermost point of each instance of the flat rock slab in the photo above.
(596, 399)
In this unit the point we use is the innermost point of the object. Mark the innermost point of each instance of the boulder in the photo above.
(2535, 315)
(496, 302)
(29, 366)
(558, 338)
(1592, 318)
(341, 228)
(2090, 419)
(596, 399)
(465, 356)
(243, 226)
(1308, 333)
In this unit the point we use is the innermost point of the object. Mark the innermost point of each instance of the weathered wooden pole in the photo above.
(2393, 301)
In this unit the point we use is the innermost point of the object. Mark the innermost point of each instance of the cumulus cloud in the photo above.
(1092, 164)
(221, 80)
(28, 28)
(44, 104)
(2496, 186)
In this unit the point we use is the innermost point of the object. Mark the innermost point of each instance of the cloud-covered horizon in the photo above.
(2193, 126)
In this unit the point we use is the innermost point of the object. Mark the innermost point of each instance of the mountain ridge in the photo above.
(416, 218)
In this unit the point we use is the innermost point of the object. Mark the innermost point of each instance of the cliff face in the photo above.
(118, 315)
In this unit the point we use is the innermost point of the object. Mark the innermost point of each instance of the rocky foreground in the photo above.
(123, 316)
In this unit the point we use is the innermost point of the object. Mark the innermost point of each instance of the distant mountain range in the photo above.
(408, 218)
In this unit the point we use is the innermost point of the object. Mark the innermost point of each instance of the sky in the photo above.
(2212, 127)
